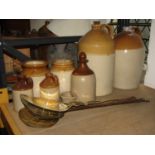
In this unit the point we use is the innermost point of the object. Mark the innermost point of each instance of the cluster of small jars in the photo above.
(63, 78)
(104, 63)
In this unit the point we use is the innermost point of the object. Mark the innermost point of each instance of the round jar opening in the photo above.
(35, 63)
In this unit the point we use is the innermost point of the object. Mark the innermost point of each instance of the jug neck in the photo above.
(97, 25)
(83, 69)
(132, 29)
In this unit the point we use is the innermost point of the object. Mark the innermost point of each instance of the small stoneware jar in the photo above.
(63, 68)
(129, 58)
(36, 69)
(24, 86)
(99, 47)
(49, 87)
(83, 82)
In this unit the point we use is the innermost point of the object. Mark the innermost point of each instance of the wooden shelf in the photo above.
(136, 118)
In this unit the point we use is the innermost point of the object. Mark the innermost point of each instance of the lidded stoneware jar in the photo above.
(63, 68)
(24, 86)
(36, 69)
(99, 47)
(49, 87)
(83, 81)
(129, 59)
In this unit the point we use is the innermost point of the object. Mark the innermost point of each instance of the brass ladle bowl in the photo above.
(44, 111)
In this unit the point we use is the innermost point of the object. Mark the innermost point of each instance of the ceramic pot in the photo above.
(35, 69)
(83, 82)
(68, 27)
(99, 47)
(129, 59)
(22, 86)
(63, 68)
(49, 87)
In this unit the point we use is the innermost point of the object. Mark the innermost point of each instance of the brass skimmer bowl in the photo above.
(43, 111)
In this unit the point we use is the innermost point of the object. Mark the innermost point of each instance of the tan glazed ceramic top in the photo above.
(62, 64)
(35, 68)
(97, 41)
(129, 38)
(83, 69)
(23, 83)
(50, 81)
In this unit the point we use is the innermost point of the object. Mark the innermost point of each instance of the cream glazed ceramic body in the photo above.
(129, 59)
(64, 79)
(128, 68)
(99, 47)
(83, 87)
(103, 65)
(63, 68)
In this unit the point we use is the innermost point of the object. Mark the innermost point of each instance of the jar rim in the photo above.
(62, 62)
(35, 63)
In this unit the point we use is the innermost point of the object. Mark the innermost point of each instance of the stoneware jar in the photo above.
(35, 69)
(49, 87)
(24, 86)
(99, 47)
(83, 82)
(63, 68)
(129, 58)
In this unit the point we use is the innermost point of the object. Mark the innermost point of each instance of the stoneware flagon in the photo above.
(129, 58)
(99, 47)
(83, 82)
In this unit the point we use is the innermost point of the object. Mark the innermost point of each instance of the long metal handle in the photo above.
(97, 104)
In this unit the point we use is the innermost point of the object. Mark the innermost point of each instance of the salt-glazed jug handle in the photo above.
(109, 29)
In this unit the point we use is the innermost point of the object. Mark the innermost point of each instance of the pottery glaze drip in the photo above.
(99, 47)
